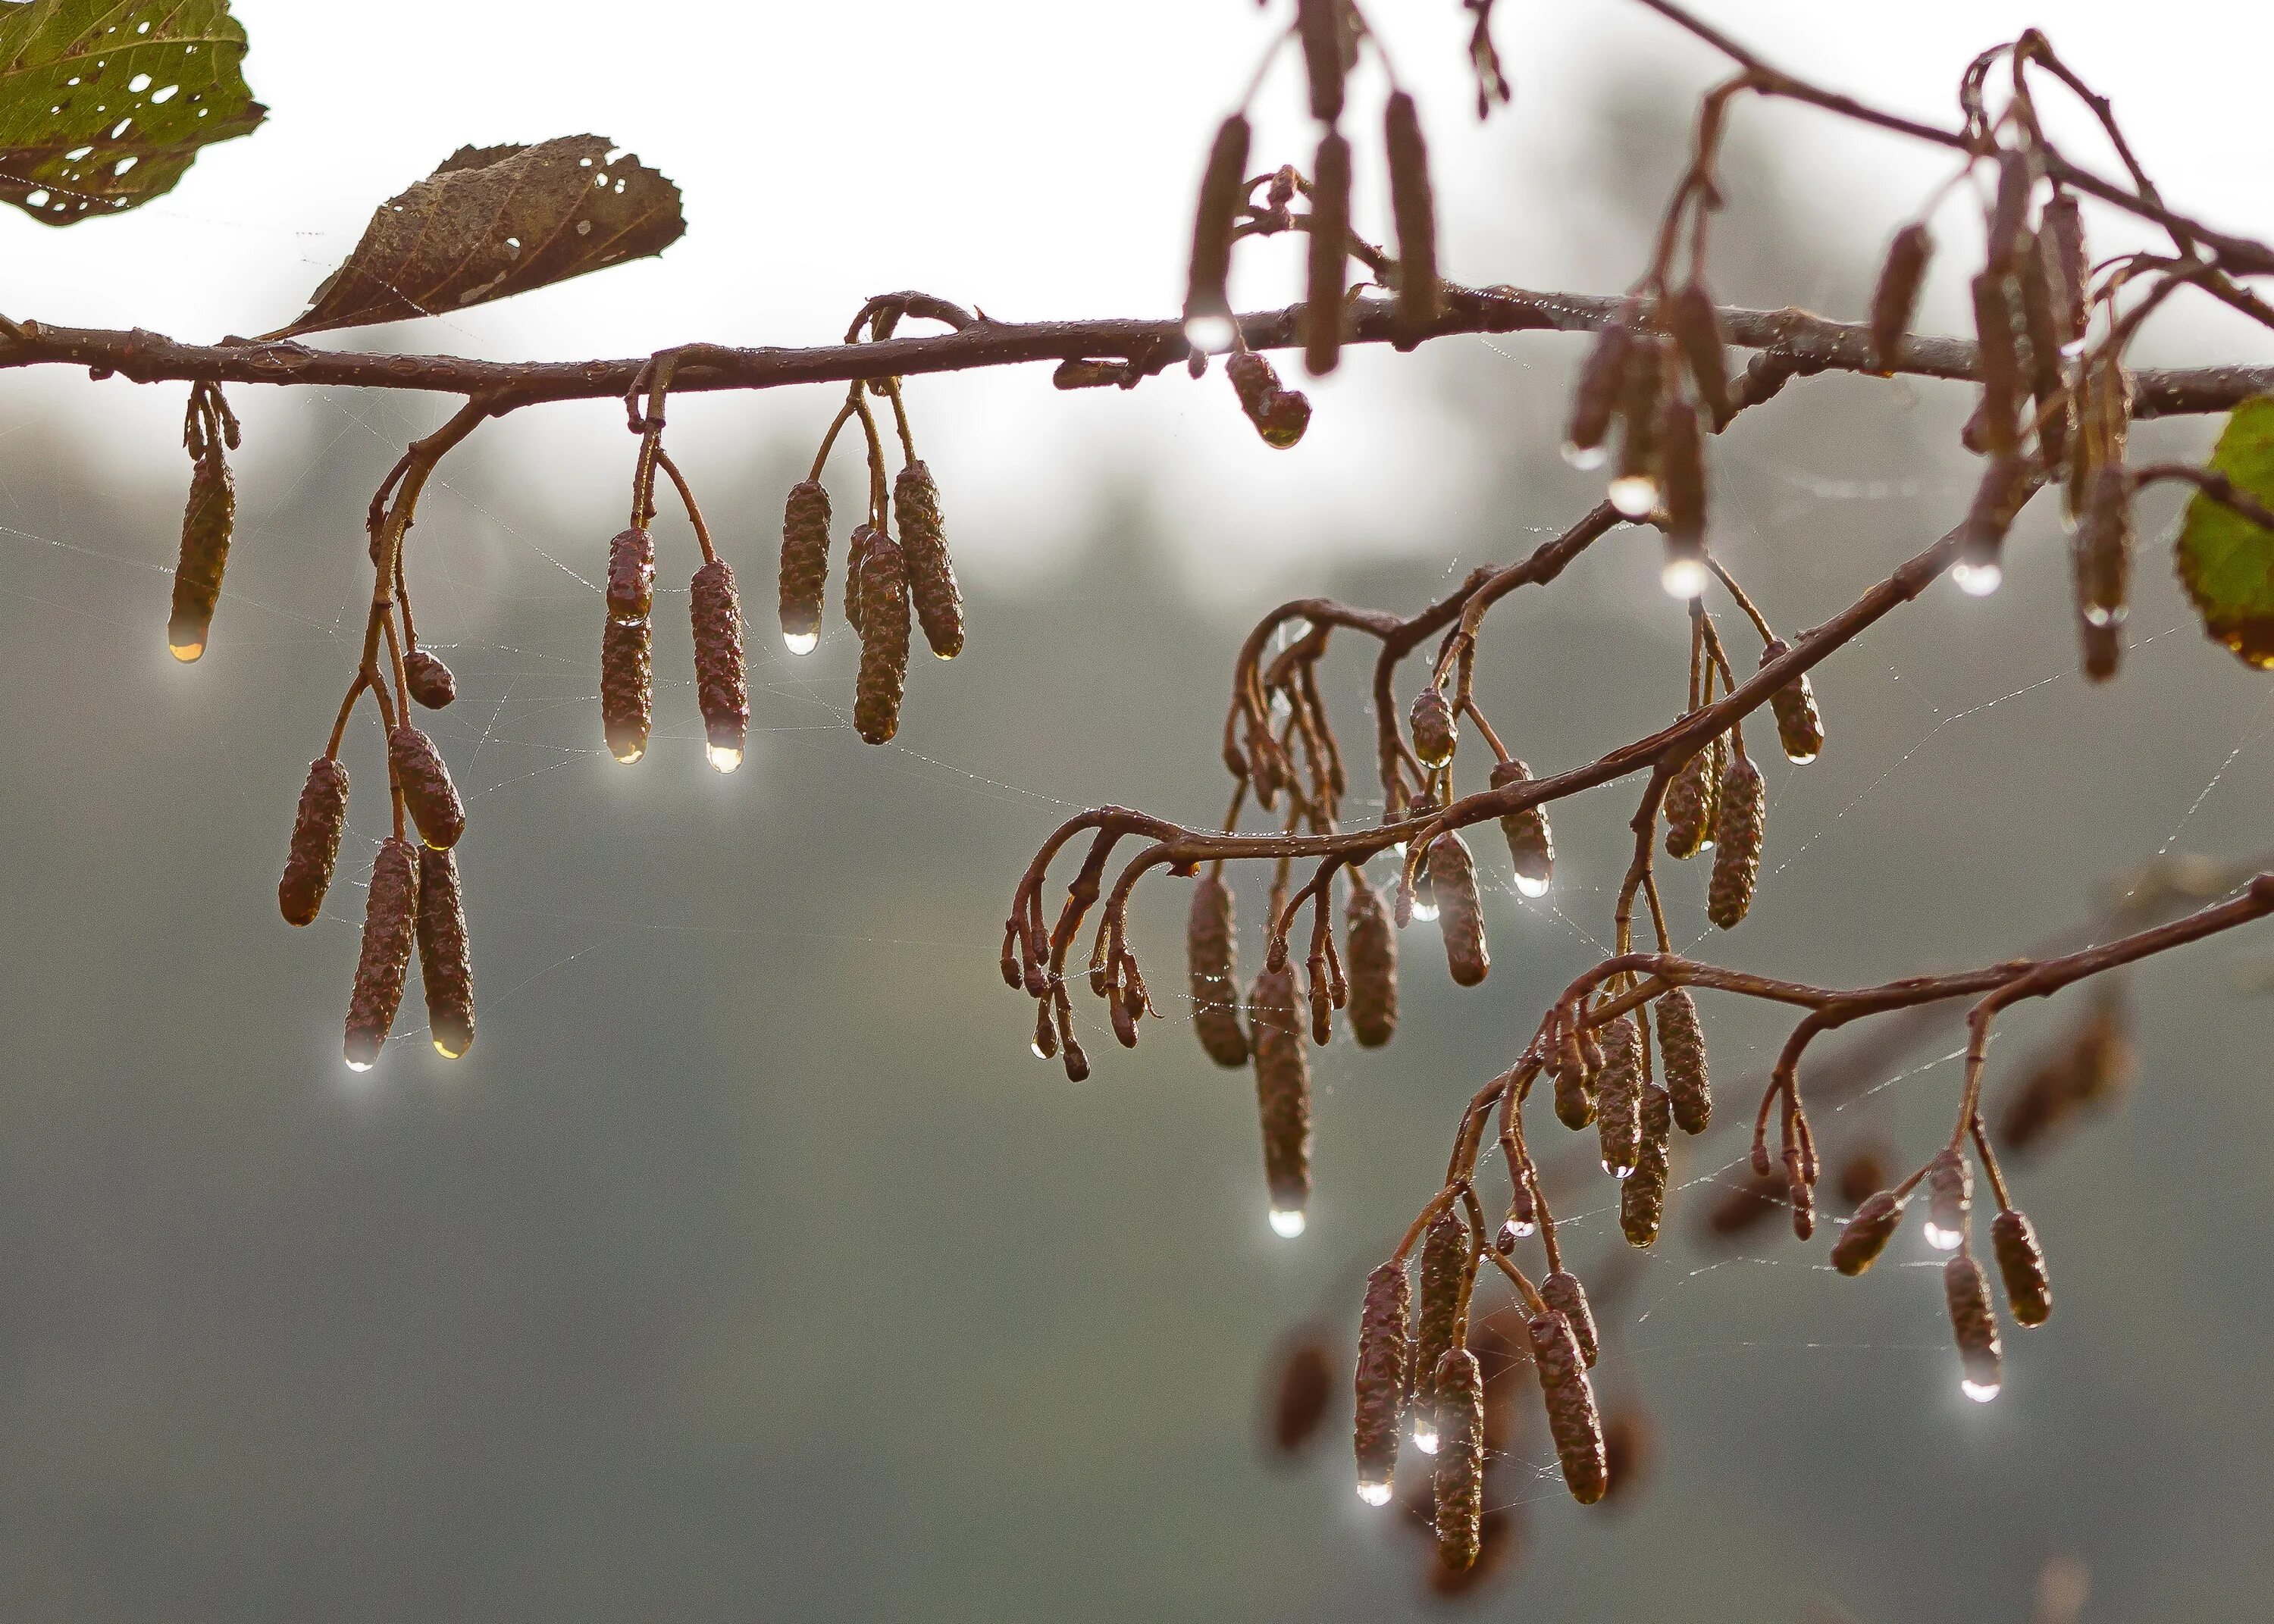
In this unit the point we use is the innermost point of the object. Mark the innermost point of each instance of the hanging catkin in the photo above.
(1698, 329)
(631, 576)
(1212, 964)
(1618, 1097)
(1595, 394)
(1280, 415)
(1562, 1292)
(1575, 1088)
(856, 554)
(444, 963)
(1436, 734)
(1682, 1057)
(1737, 834)
(1571, 1401)
(315, 846)
(1283, 1096)
(1973, 1324)
(1868, 1232)
(627, 689)
(1370, 952)
(804, 564)
(1460, 1476)
(721, 690)
(1642, 1198)
(1413, 206)
(2021, 1264)
(1320, 25)
(428, 795)
(429, 679)
(931, 572)
(207, 521)
(1800, 728)
(1896, 297)
(1460, 911)
(1385, 1354)
(1530, 843)
(1329, 254)
(1444, 1284)
(1692, 799)
(389, 922)
(883, 640)
(1206, 295)
(1950, 1200)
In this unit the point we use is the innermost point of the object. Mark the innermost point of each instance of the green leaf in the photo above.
(495, 221)
(104, 103)
(2225, 560)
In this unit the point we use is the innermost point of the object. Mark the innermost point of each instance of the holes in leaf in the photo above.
(124, 164)
(37, 200)
(140, 82)
(167, 94)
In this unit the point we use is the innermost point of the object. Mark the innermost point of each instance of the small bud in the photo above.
(1530, 843)
(1460, 1477)
(390, 912)
(315, 846)
(1370, 951)
(429, 679)
(1282, 1096)
(1896, 297)
(1575, 1094)
(1445, 1288)
(1800, 1190)
(1618, 1097)
(1800, 728)
(1280, 415)
(1385, 1368)
(1950, 1201)
(1570, 1401)
(884, 641)
(1212, 964)
(1737, 835)
(428, 795)
(722, 689)
(1322, 1001)
(1208, 304)
(1562, 1292)
(1681, 1055)
(627, 689)
(1436, 731)
(1329, 254)
(1867, 1233)
(445, 965)
(2021, 1262)
(1413, 208)
(804, 564)
(1974, 1325)
(1642, 1198)
(1460, 911)
(631, 577)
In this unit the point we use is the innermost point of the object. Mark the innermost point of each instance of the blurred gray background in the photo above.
(749, 1268)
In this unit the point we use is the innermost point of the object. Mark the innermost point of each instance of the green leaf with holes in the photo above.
(2225, 562)
(495, 221)
(104, 103)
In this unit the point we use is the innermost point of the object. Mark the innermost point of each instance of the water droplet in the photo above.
(186, 652)
(1586, 459)
(1281, 711)
(723, 757)
(1619, 1169)
(1035, 1049)
(635, 752)
(1287, 1221)
(1425, 911)
(1513, 1232)
(1980, 1392)
(1526, 886)
(1634, 495)
(629, 620)
(1942, 1239)
(1425, 1434)
(800, 643)
(1801, 760)
(1977, 580)
(446, 1051)
(359, 1065)
(1374, 1493)
(1683, 577)
(1211, 333)
(2098, 616)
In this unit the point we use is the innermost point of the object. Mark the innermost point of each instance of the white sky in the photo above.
(1035, 159)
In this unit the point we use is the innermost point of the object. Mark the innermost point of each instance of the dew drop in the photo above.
(1287, 1221)
(1980, 1392)
(1586, 458)
(445, 1051)
(2098, 616)
(1425, 911)
(800, 643)
(186, 652)
(1977, 580)
(723, 757)
(1942, 1239)
(1527, 886)
(1425, 1434)
(628, 757)
(1683, 577)
(1211, 333)
(1374, 1493)
(1801, 760)
(1618, 1169)
(1035, 1049)
(1634, 494)
(359, 1065)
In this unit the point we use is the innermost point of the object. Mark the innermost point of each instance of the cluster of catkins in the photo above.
(883, 576)
(628, 660)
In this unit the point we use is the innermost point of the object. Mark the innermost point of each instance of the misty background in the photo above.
(749, 1266)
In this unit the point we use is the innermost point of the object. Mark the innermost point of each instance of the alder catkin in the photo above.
(1300, 1394)
(1950, 1199)
(631, 576)
(1575, 1089)
(883, 640)
(722, 689)
(1570, 1403)
(804, 564)
(389, 922)
(1618, 1097)
(1444, 1283)
(1896, 297)
(1682, 1057)
(1595, 392)
(1531, 842)
(1692, 800)
(2021, 1264)
(1212, 964)
(2000, 364)
(1206, 294)
(1642, 1198)
(1283, 1096)
(315, 847)
(1974, 1325)
(429, 679)
(1562, 1292)
(1698, 329)
(856, 554)
(1872, 1225)
(1319, 23)
(444, 963)
(2055, 413)
(2101, 557)
(931, 572)
(208, 520)
(1800, 728)
(1681, 479)
(1413, 208)
(1385, 1354)
(2065, 264)
(627, 689)
(1800, 1191)
(1436, 732)
(1737, 833)
(428, 795)
(1329, 255)
(1460, 911)
(1370, 953)
(1460, 1476)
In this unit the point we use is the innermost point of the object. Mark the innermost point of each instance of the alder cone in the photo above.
(1370, 954)
(1692, 800)
(1413, 206)
(1444, 1282)
(1435, 733)
(429, 679)
(1282, 1089)
(1800, 728)
(1562, 1292)
(1329, 254)
(206, 521)
(1460, 1387)
(1530, 843)
(1618, 1097)
(722, 689)
(1460, 911)
(1896, 297)
(884, 641)
(1642, 1198)
(804, 559)
(428, 795)
(1682, 1053)
(631, 576)
(2021, 1263)
(1867, 1234)
(931, 572)
(315, 847)
(444, 963)
(1571, 1401)
(1212, 962)
(627, 689)
(1384, 1372)
(1972, 1322)
(389, 920)
(1737, 834)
